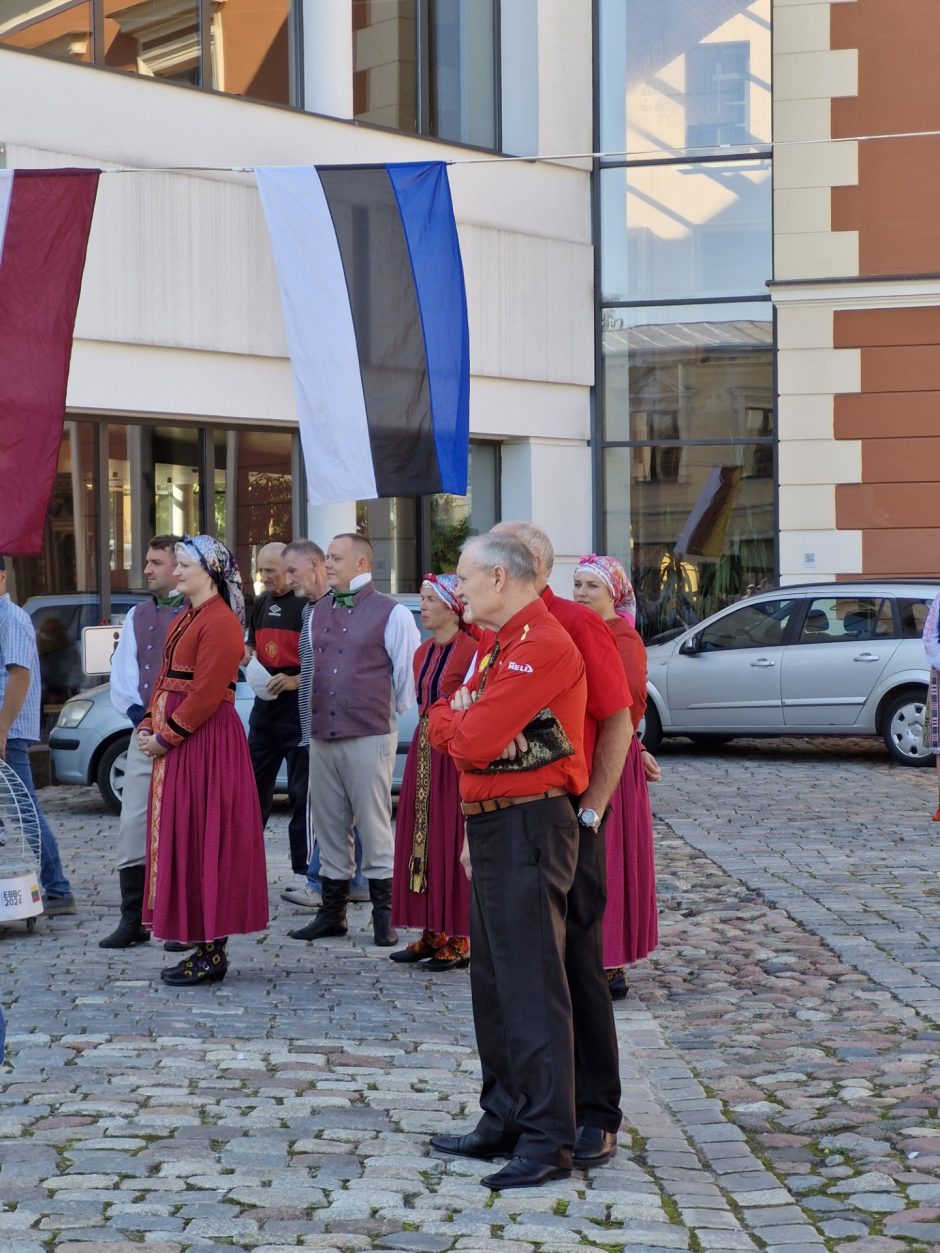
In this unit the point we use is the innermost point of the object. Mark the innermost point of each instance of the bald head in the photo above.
(538, 544)
(271, 568)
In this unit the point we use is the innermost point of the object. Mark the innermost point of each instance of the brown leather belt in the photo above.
(470, 808)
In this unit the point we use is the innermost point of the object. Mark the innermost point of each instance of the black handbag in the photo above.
(547, 742)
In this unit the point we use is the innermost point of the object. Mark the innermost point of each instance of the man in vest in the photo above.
(135, 667)
(362, 647)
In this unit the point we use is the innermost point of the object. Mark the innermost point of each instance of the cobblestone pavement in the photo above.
(781, 1052)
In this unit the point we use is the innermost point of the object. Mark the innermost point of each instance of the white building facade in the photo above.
(181, 410)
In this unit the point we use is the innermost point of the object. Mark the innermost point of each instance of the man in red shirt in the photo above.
(524, 836)
(607, 731)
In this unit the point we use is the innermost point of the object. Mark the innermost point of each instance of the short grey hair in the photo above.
(274, 548)
(533, 538)
(305, 548)
(489, 551)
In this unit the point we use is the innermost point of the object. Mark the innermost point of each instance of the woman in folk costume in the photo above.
(932, 717)
(630, 923)
(206, 876)
(430, 889)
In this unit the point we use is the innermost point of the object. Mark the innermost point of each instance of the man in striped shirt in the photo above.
(20, 687)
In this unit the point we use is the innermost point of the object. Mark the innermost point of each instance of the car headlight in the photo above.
(73, 712)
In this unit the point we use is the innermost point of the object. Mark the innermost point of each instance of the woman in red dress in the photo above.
(430, 889)
(206, 875)
(630, 923)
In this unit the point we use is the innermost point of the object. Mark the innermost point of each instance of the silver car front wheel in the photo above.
(904, 729)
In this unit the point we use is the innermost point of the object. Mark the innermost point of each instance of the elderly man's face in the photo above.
(479, 589)
(271, 572)
(306, 576)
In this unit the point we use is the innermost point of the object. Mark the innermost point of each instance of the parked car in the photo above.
(89, 742)
(813, 659)
(58, 623)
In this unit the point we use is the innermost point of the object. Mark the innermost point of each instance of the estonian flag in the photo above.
(45, 216)
(376, 317)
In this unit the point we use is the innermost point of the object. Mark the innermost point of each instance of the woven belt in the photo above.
(470, 808)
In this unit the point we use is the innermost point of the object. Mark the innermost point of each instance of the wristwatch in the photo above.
(590, 818)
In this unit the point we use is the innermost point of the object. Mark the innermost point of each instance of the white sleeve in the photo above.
(125, 673)
(401, 642)
(931, 642)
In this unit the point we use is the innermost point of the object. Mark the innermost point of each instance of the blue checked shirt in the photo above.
(18, 648)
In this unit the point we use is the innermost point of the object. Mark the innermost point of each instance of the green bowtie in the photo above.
(346, 599)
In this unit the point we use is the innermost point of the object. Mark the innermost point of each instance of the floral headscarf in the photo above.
(445, 586)
(220, 564)
(612, 574)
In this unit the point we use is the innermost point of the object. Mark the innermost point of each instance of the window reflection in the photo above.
(154, 38)
(694, 542)
(55, 30)
(708, 377)
(427, 66)
(680, 73)
(251, 49)
(675, 231)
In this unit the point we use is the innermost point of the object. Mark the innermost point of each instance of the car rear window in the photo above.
(913, 615)
(847, 619)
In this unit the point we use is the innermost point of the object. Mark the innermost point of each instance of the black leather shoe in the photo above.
(594, 1146)
(524, 1172)
(177, 946)
(473, 1145)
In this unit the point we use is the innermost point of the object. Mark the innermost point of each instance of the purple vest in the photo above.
(351, 691)
(151, 622)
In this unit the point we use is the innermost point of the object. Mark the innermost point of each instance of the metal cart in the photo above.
(20, 897)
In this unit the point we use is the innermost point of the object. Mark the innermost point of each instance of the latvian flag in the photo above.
(45, 217)
(376, 317)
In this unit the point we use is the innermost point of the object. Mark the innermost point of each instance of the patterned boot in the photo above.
(208, 964)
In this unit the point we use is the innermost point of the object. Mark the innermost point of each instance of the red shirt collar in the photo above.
(509, 630)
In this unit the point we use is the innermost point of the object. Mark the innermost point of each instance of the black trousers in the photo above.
(596, 1054)
(524, 865)
(271, 741)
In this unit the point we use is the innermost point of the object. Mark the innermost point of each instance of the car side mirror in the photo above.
(692, 645)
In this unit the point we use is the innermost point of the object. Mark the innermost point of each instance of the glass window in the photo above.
(461, 85)
(251, 43)
(427, 66)
(669, 232)
(683, 72)
(692, 525)
(913, 617)
(385, 71)
(393, 524)
(846, 619)
(153, 38)
(455, 518)
(63, 30)
(252, 501)
(761, 625)
(689, 372)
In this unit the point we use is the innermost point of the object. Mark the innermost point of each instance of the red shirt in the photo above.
(537, 666)
(633, 655)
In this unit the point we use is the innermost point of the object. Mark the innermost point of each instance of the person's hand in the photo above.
(462, 700)
(512, 750)
(150, 746)
(143, 734)
(651, 767)
(279, 683)
(465, 857)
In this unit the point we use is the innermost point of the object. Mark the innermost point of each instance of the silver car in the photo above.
(814, 659)
(89, 742)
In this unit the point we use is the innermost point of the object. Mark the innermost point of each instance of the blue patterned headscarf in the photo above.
(220, 564)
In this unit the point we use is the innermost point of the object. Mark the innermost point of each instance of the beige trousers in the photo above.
(135, 808)
(351, 782)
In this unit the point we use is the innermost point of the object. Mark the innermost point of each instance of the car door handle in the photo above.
(763, 663)
(867, 657)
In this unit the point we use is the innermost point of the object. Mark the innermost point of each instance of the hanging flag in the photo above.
(376, 316)
(45, 217)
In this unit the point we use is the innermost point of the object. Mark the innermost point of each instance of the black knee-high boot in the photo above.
(129, 930)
